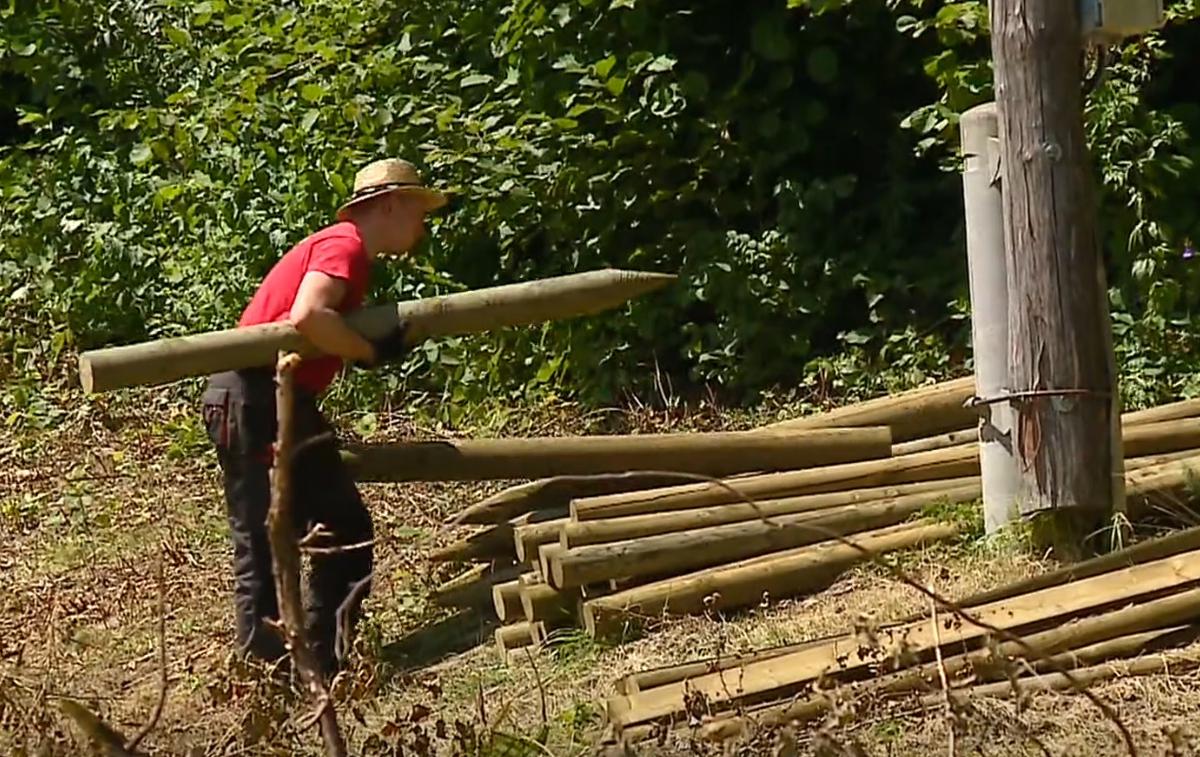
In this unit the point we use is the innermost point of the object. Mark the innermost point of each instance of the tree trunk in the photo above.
(1060, 369)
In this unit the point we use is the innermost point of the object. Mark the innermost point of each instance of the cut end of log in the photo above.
(513, 636)
(555, 574)
(506, 599)
(588, 614)
(86, 376)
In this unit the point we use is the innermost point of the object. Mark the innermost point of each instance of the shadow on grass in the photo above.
(431, 644)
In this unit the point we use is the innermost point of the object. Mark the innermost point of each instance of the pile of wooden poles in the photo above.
(606, 554)
(1126, 613)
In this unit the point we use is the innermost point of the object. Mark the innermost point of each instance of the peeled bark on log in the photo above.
(1143, 552)
(954, 462)
(743, 584)
(1166, 486)
(576, 534)
(920, 412)
(165, 360)
(1169, 412)
(526, 539)
(690, 550)
(781, 675)
(1123, 646)
(668, 674)
(473, 587)
(1089, 637)
(714, 454)
(506, 599)
(941, 441)
(1162, 437)
(552, 494)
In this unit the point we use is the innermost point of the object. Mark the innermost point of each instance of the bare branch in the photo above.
(341, 642)
(941, 667)
(285, 556)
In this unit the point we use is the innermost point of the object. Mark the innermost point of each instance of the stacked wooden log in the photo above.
(513, 553)
(1082, 619)
(609, 554)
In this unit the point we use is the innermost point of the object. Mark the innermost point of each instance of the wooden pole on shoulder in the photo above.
(165, 360)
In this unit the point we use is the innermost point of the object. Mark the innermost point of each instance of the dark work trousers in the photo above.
(239, 413)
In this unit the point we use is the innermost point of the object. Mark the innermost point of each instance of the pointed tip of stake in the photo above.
(648, 278)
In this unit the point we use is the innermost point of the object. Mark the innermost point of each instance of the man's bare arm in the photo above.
(314, 316)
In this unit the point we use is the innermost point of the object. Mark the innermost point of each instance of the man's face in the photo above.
(404, 222)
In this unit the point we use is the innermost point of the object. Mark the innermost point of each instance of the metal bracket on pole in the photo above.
(993, 161)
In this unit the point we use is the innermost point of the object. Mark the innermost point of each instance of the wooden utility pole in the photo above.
(1061, 371)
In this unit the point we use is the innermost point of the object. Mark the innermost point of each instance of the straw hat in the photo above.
(390, 175)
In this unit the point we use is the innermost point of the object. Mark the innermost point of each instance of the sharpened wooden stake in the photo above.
(674, 553)
(473, 587)
(1141, 440)
(954, 462)
(742, 584)
(914, 414)
(715, 454)
(577, 534)
(552, 494)
(165, 360)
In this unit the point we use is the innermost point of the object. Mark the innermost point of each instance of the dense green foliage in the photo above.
(793, 164)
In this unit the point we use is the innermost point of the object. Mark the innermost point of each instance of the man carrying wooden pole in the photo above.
(321, 278)
(1062, 386)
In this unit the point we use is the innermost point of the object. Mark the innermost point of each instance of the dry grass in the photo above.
(84, 509)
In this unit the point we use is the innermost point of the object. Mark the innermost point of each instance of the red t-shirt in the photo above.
(335, 251)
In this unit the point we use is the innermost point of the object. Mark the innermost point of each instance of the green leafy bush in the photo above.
(789, 163)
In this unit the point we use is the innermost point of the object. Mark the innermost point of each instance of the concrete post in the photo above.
(989, 309)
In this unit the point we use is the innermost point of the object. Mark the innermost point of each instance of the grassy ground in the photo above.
(88, 509)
